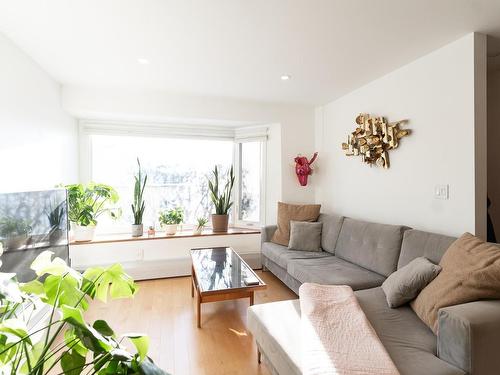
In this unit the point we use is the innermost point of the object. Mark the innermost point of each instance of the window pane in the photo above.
(177, 174)
(250, 181)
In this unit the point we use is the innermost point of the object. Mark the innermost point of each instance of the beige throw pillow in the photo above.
(470, 271)
(297, 212)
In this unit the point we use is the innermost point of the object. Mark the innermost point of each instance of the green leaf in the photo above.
(147, 367)
(33, 287)
(44, 264)
(71, 339)
(121, 355)
(103, 328)
(73, 316)
(113, 281)
(15, 327)
(64, 290)
(89, 336)
(72, 363)
(141, 343)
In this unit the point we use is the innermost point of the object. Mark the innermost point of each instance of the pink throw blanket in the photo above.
(337, 336)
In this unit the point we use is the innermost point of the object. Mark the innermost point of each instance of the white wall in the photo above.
(292, 131)
(436, 94)
(38, 140)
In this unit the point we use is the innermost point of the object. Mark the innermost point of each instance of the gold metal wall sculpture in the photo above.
(373, 138)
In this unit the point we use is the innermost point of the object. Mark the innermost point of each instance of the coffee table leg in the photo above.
(251, 298)
(198, 310)
(192, 282)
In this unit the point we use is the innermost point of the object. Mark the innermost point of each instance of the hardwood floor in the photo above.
(165, 311)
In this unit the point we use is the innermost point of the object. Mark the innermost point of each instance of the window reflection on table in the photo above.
(219, 268)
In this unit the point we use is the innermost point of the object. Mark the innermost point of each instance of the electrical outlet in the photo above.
(442, 192)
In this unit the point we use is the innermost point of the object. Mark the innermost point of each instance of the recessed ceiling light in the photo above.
(143, 61)
(285, 77)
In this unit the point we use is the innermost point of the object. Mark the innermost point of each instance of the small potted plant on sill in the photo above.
(221, 199)
(201, 224)
(170, 220)
(138, 204)
(86, 204)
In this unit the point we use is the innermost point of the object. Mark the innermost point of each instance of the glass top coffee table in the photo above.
(219, 274)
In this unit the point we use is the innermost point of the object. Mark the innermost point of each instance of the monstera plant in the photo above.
(86, 204)
(65, 343)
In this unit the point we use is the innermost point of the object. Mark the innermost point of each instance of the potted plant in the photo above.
(201, 223)
(138, 205)
(86, 204)
(65, 342)
(221, 199)
(170, 220)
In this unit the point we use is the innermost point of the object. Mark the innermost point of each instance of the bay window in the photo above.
(177, 166)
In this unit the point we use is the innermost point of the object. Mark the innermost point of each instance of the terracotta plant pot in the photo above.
(137, 230)
(219, 223)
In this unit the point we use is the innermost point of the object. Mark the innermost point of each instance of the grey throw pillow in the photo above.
(305, 236)
(406, 283)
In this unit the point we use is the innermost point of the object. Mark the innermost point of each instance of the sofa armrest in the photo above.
(469, 336)
(267, 232)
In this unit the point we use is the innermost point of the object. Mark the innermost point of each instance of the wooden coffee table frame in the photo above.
(222, 294)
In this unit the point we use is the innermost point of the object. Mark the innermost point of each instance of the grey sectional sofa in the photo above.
(362, 255)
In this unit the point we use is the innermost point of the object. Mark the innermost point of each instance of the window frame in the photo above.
(237, 191)
(237, 135)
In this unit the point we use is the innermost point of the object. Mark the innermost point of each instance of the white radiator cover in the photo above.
(159, 258)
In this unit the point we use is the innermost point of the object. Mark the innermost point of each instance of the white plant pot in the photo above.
(83, 234)
(170, 229)
(137, 230)
(197, 231)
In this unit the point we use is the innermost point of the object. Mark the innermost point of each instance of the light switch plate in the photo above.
(442, 192)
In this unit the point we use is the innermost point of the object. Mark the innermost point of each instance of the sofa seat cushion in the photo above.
(281, 255)
(273, 326)
(370, 245)
(410, 343)
(333, 271)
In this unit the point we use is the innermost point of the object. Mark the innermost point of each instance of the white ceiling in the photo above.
(238, 48)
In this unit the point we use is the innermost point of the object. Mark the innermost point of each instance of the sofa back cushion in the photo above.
(297, 212)
(375, 247)
(330, 231)
(417, 243)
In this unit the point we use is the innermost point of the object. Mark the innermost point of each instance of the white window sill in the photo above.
(110, 238)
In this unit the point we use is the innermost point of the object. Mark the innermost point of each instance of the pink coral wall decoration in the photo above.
(303, 168)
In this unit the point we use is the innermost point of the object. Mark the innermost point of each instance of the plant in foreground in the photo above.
(65, 343)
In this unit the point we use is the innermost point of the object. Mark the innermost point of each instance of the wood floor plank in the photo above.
(165, 310)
